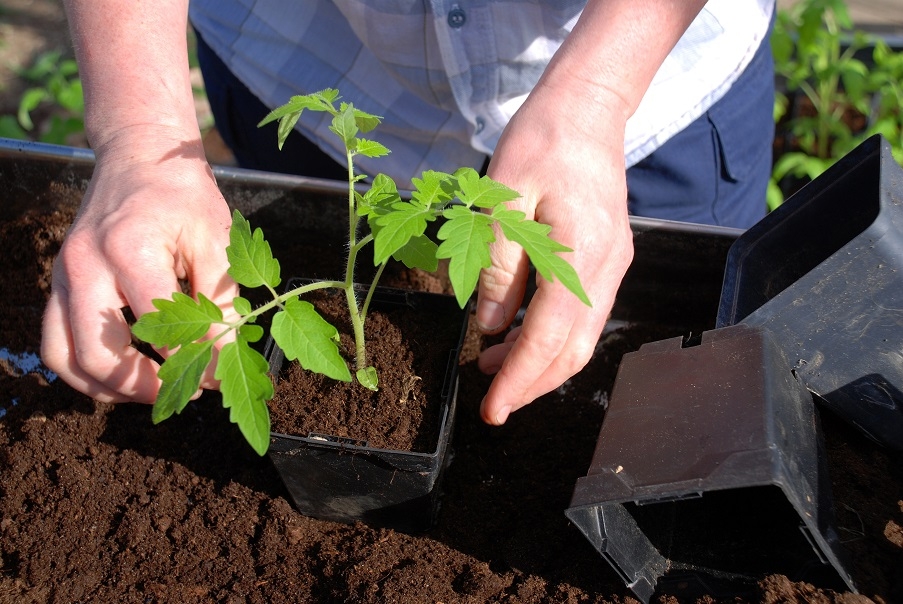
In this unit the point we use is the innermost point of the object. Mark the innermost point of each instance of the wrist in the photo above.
(147, 143)
(615, 49)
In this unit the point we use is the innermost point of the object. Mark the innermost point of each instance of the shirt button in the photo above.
(456, 17)
(480, 124)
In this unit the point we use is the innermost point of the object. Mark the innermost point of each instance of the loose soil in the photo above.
(410, 350)
(99, 505)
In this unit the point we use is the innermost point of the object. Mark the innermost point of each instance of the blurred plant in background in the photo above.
(836, 87)
(52, 109)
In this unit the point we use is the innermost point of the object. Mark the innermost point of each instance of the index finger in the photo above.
(80, 357)
(557, 339)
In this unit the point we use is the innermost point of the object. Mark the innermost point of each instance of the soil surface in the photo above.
(410, 350)
(99, 505)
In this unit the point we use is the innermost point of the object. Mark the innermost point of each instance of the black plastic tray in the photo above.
(708, 473)
(824, 274)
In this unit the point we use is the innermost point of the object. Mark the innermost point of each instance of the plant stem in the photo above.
(357, 320)
(279, 300)
(372, 289)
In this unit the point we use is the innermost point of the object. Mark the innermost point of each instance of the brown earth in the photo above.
(99, 505)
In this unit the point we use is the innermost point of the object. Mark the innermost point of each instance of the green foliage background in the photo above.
(836, 87)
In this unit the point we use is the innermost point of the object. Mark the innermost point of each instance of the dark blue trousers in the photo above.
(716, 170)
(713, 172)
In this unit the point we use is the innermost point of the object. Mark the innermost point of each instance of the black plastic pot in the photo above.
(711, 448)
(824, 274)
(343, 479)
(708, 473)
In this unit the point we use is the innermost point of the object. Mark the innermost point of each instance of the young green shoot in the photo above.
(468, 206)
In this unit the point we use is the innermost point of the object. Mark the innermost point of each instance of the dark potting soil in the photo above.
(410, 351)
(99, 505)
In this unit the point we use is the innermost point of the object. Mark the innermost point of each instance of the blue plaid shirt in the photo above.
(447, 75)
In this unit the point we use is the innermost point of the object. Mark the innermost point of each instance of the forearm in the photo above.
(133, 61)
(615, 50)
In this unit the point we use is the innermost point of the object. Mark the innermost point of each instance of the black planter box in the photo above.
(345, 480)
(674, 281)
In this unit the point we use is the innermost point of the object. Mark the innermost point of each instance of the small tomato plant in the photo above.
(469, 206)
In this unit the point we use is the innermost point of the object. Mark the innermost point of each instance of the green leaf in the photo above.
(251, 261)
(289, 113)
(246, 387)
(404, 222)
(306, 336)
(419, 252)
(365, 121)
(181, 374)
(465, 241)
(379, 197)
(433, 189)
(60, 129)
(45, 65)
(177, 321)
(482, 192)
(781, 42)
(318, 101)
(10, 128)
(71, 97)
(251, 333)
(345, 126)
(542, 250)
(242, 305)
(30, 100)
(774, 196)
(368, 378)
(370, 148)
(285, 128)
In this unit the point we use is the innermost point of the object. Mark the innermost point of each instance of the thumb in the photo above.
(208, 274)
(502, 285)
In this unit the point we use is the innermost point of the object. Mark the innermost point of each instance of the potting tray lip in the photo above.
(643, 223)
(14, 149)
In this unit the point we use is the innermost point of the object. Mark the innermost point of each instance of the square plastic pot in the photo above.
(708, 473)
(344, 479)
(824, 274)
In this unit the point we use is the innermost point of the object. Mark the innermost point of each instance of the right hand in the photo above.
(571, 176)
(152, 216)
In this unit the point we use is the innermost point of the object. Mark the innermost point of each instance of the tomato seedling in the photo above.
(468, 204)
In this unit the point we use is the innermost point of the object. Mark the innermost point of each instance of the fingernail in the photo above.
(490, 315)
(502, 416)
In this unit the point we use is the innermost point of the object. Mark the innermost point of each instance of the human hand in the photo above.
(571, 176)
(152, 216)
